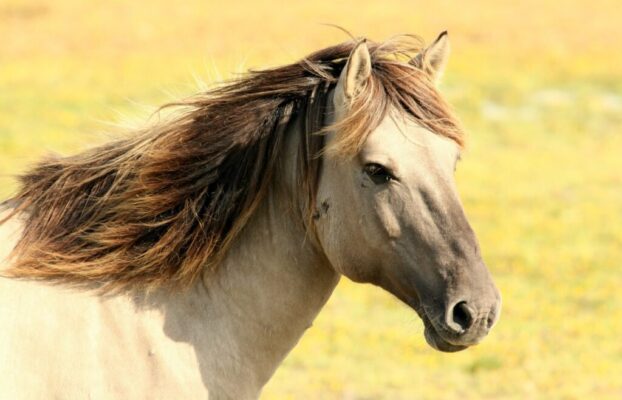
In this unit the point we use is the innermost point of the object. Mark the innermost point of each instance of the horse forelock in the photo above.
(158, 208)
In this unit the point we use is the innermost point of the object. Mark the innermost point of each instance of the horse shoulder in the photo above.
(58, 342)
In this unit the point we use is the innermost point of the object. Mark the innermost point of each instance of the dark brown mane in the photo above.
(159, 207)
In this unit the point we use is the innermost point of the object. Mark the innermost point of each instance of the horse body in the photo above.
(228, 332)
(251, 231)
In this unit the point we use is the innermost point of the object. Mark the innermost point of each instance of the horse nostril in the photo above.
(461, 317)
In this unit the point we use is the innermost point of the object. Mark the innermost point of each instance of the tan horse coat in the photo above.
(228, 333)
(388, 216)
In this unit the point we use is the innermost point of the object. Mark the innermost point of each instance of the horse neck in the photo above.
(273, 281)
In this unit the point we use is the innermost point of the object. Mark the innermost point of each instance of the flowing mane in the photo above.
(157, 208)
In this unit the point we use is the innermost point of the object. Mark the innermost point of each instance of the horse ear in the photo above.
(354, 75)
(433, 58)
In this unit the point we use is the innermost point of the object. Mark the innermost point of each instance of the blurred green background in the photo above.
(539, 88)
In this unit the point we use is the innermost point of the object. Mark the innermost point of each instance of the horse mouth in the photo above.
(437, 342)
(435, 339)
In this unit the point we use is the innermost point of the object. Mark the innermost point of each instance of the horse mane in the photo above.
(158, 207)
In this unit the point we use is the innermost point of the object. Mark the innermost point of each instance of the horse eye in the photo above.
(377, 173)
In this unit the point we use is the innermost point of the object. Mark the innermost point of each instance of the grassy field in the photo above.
(537, 84)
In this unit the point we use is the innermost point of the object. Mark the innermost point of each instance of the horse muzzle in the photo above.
(461, 325)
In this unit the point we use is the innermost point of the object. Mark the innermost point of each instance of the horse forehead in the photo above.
(404, 140)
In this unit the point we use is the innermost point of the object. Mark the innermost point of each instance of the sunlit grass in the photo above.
(539, 87)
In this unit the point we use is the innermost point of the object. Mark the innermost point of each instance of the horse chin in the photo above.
(438, 343)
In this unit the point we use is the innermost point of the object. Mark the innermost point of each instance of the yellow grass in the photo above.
(539, 86)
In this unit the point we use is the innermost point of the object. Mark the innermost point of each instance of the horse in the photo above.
(186, 259)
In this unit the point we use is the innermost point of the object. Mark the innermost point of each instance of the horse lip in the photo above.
(438, 343)
(435, 339)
